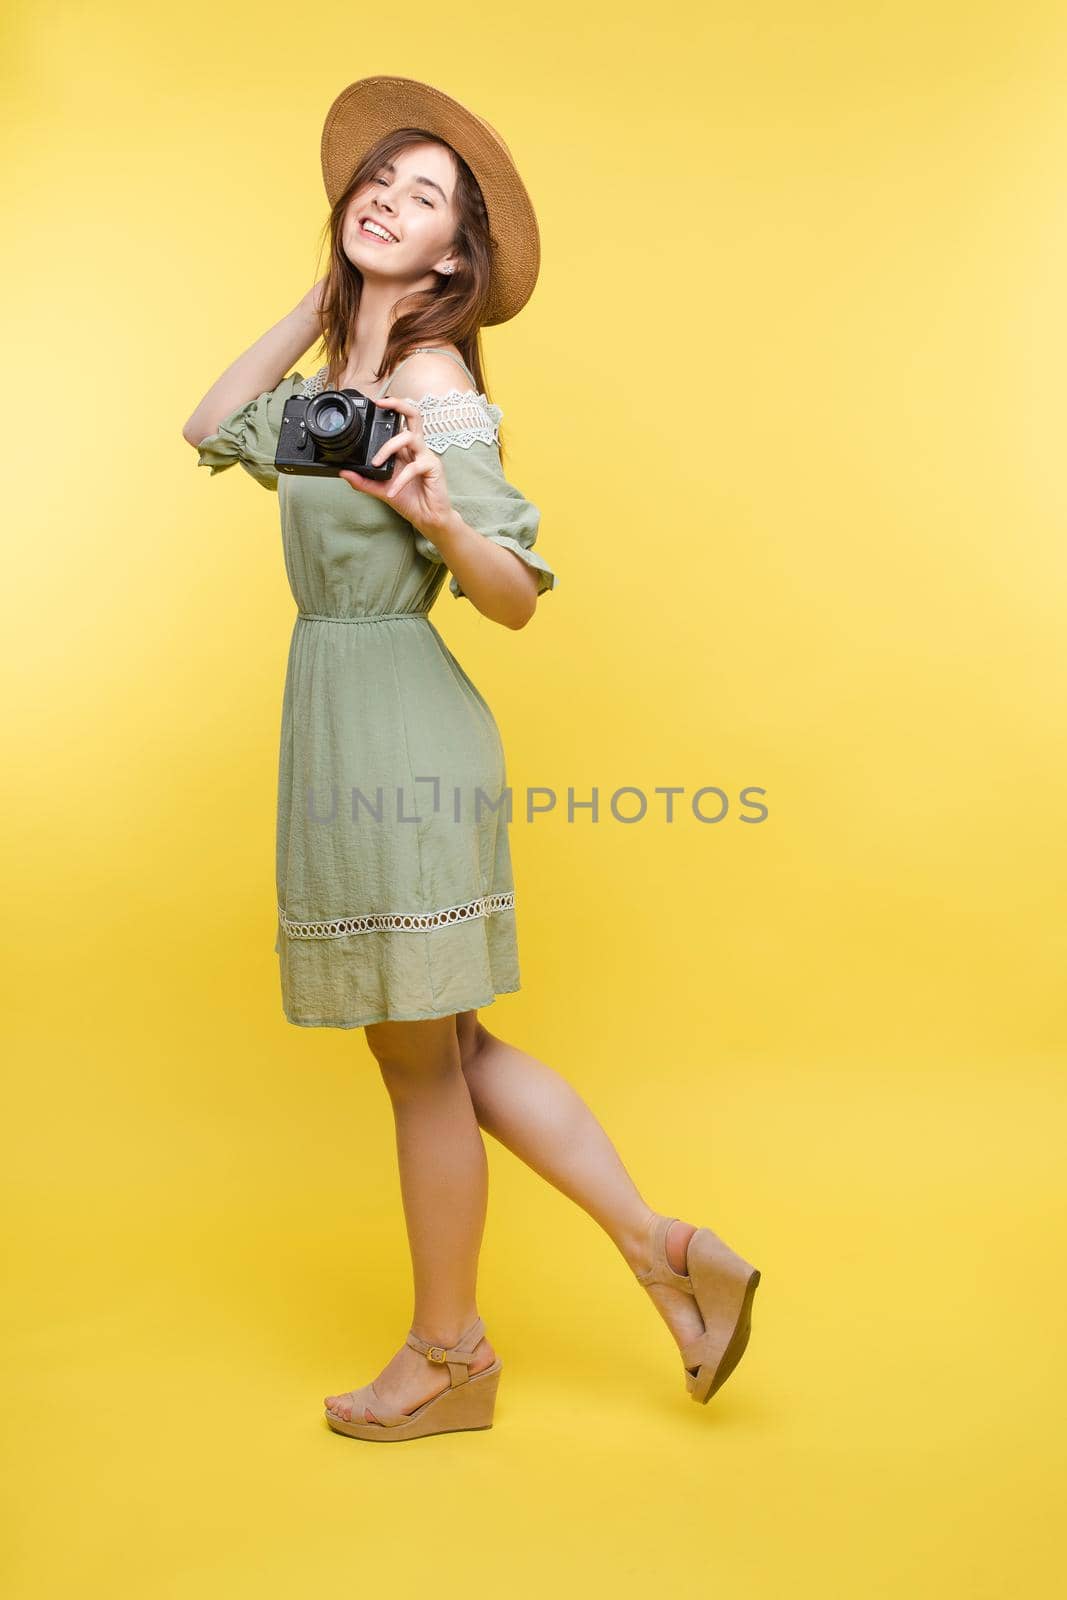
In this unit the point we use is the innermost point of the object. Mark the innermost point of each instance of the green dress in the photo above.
(394, 883)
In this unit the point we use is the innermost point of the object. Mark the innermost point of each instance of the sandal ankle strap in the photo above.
(457, 1357)
(660, 1270)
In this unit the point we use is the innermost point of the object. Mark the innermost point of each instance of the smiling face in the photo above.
(411, 198)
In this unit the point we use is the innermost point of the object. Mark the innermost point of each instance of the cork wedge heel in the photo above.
(723, 1285)
(468, 1402)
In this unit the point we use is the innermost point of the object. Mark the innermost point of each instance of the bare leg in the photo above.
(444, 1186)
(543, 1120)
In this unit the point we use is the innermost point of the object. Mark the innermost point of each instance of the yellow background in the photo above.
(789, 396)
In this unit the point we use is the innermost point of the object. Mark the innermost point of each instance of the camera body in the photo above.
(334, 431)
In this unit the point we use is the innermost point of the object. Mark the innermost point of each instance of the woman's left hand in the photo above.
(417, 488)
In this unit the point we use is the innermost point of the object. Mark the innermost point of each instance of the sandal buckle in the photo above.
(436, 1353)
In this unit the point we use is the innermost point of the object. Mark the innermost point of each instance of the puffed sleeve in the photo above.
(462, 429)
(250, 434)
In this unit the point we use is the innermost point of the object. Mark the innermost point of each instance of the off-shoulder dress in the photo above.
(395, 893)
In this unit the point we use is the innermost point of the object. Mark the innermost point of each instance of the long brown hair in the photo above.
(450, 313)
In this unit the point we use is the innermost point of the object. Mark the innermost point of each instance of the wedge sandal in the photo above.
(722, 1283)
(468, 1402)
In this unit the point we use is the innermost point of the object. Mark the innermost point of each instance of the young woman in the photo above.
(396, 904)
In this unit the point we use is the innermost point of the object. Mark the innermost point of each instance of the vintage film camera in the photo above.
(338, 429)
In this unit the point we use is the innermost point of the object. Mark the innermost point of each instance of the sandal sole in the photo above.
(724, 1285)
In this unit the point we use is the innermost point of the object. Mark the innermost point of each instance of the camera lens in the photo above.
(331, 420)
(335, 423)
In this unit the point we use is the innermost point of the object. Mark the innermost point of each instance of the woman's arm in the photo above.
(498, 582)
(495, 580)
(261, 367)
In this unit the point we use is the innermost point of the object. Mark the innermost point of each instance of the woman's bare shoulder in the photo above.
(431, 372)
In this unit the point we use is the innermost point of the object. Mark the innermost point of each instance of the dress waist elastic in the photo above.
(374, 616)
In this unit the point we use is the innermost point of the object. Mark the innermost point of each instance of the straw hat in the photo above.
(374, 106)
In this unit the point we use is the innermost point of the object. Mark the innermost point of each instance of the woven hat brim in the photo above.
(371, 107)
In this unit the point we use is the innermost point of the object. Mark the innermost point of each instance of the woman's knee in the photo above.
(471, 1035)
(412, 1054)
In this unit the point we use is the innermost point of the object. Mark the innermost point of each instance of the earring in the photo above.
(448, 269)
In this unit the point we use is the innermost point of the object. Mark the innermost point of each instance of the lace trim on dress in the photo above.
(459, 417)
(341, 927)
